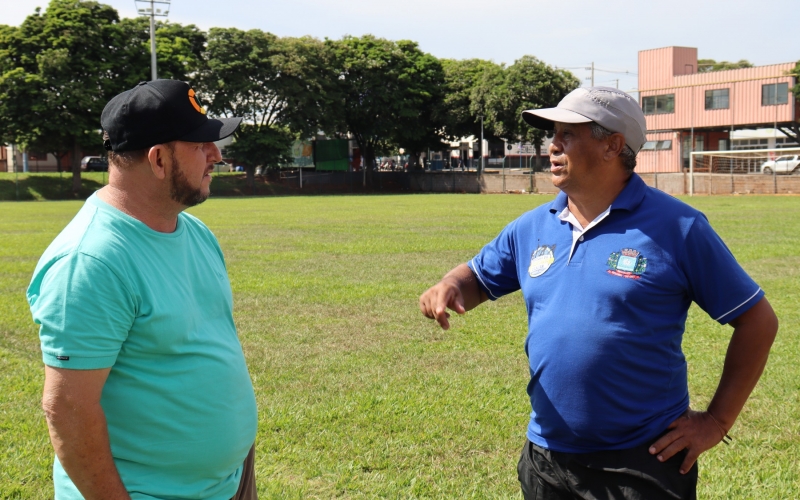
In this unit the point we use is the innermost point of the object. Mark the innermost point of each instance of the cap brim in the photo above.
(544, 118)
(213, 130)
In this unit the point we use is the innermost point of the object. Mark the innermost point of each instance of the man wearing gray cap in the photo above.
(608, 271)
(146, 390)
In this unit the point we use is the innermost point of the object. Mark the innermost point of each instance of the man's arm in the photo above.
(78, 431)
(458, 291)
(753, 334)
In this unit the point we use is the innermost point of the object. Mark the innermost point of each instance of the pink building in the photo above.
(682, 106)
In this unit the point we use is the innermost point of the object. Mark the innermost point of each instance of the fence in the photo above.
(527, 182)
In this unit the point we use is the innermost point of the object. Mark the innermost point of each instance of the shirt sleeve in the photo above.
(85, 312)
(717, 283)
(495, 266)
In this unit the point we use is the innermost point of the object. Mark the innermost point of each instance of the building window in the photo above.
(785, 142)
(717, 99)
(772, 94)
(656, 145)
(750, 143)
(658, 104)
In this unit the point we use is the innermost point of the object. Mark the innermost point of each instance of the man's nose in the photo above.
(213, 152)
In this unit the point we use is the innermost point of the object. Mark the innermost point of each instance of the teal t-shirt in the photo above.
(157, 309)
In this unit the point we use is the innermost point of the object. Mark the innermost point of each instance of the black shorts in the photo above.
(632, 474)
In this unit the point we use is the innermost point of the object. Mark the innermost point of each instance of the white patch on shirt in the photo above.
(541, 260)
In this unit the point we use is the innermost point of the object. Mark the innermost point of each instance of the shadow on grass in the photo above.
(52, 186)
(45, 187)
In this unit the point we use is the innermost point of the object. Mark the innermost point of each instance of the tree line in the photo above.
(61, 65)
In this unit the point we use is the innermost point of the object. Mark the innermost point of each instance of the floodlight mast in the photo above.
(148, 8)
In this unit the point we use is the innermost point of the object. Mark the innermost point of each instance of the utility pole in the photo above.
(592, 73)
(148, 8)
(13, 160)
(153, 61)
(482, 144)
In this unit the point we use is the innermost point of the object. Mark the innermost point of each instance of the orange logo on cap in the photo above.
(194, 102)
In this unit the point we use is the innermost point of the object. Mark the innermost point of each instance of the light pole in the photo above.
(481, 144)
(148, 8)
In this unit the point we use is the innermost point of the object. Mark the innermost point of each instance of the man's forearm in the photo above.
(745, 360)
(80, 438)
(463, 277)
(747, 355)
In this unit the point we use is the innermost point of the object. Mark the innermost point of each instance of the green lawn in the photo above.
(359, 395)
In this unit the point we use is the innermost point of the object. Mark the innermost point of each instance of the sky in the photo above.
(563, 33)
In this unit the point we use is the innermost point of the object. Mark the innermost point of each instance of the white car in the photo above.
(789, 164)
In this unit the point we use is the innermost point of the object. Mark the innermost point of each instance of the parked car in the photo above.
(789, 164)
(94, 164)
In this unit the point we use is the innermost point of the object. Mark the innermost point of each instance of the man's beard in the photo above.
(181, 191)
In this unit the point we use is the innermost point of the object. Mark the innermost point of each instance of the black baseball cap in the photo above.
(158, 112)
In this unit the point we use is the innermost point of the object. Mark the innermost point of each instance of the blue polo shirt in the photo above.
(605, 323)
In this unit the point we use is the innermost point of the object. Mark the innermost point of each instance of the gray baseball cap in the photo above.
(611, 108)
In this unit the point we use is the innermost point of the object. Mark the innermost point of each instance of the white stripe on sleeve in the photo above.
(740, 305)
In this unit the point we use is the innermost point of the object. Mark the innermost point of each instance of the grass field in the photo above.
(360, 396)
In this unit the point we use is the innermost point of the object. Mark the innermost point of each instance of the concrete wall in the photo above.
(672, 183)
(706, 184)
(471, 182)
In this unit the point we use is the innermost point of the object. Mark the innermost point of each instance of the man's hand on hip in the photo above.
(753, 334)
(694, 431)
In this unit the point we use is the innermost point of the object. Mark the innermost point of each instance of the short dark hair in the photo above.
(127, 159)
(600, 133)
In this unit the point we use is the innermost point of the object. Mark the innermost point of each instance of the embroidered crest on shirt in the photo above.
(541, 260)
(628, 263)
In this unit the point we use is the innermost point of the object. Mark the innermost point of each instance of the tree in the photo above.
(279, 86)
(308, 83)
(17, 88)
(469, 87)
(60, 68)
(528, 84)
(388, 93)
(59, 76)
(419, 123)
(468, 84)
(709, 65)
(260, 145)
(795, 72)
(179, 50)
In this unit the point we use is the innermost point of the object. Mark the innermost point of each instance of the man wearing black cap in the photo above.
(608, 271)
(146, 391)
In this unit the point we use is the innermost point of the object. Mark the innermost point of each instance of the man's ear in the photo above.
(159, 156)
(615, 143)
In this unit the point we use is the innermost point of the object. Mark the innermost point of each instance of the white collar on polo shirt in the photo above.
(577, 229)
